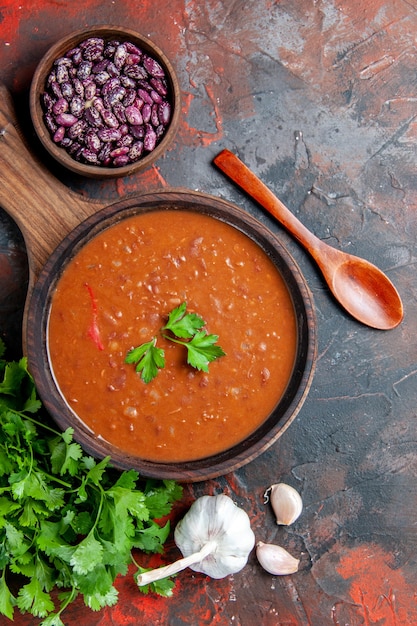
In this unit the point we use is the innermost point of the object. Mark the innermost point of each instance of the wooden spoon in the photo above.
(360, 287)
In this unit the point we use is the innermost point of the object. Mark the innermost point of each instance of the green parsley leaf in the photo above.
(201, 350)
(66, 520)
(148, 359)
(33, 598)
(7, 600)
(183, 324)
(87, 555)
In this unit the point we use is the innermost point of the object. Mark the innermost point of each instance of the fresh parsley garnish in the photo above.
(183, 324)
(148, 359)
(201, 348)
(66, 520)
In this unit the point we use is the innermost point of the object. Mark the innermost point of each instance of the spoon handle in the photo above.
(237, 171)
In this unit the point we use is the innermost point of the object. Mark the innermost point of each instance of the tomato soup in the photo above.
(117, 292)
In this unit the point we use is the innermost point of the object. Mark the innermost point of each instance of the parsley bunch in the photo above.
(66, 521)
(200, 346)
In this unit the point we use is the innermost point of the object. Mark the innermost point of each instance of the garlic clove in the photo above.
(286, 503)
(275, 559)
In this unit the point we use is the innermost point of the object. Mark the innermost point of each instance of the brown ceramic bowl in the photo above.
(37, 107)
(285, 411)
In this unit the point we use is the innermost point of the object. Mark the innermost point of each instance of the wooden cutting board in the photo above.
(44, 209)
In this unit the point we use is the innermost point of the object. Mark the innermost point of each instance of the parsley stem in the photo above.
(182, 343)
(24, 416)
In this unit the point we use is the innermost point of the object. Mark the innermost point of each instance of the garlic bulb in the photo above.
(214, 537)
(286, 503)
(275, 559)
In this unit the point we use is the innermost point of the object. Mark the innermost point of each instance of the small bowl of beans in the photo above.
(105, 102)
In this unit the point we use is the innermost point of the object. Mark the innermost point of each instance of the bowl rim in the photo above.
(37, 88)
(290, 404)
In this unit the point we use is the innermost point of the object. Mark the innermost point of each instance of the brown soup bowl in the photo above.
(81, 118)
(280, 417)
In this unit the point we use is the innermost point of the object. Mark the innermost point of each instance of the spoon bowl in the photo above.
(362, 289)
(366, 295)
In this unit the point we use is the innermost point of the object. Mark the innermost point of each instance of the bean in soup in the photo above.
(117, 292)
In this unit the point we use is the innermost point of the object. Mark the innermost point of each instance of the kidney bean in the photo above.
(76, 55)
(133, 49)
(115, 95)
(93, 141)
(92, 48)
(76, 130)
(74, 148)
(119, 111)
(109, 134)
(111, 84)
(110, 48)
(62, 74)
(110, 119)
(146, 112)
(67, 90)
(98, 103)
(101, 78)
(149, 141)
(100, 66)
(78, 87)
(154, 116)
(126, 139)
(50, 123)
(59, 134)
(129, 98)
(132, 59)
(90, 89)
(120, 55)
(122, 160)
(56, 89)
(77, 106)
(119, 151)
(136, 72)
(104, 154)
(127, 82)
(159, 86)
(160, 131)
(112, 69)
(89, 155)
(73, 52)
(66, 119)
(156, 97)
(84, 70)
(106, 102)
(136, 151)
(133, 116)
(138, 132)
(60, 106)
(152, 66)
(93, 117)
(164, 112)
(145, 96)
(66, 143)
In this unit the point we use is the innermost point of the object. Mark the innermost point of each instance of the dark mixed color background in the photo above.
(319, 98)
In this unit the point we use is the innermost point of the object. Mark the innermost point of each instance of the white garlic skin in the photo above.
(275, 559)
(286, 503)
(216, 519)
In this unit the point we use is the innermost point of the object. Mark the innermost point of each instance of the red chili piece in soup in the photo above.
(117, 293)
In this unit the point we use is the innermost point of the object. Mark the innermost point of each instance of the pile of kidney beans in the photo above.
(107, 103)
